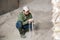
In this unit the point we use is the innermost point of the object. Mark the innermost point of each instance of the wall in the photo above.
(8, 5)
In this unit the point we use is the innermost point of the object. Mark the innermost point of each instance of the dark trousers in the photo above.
(23, 28)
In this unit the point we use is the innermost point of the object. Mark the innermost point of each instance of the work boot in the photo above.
(23, 33)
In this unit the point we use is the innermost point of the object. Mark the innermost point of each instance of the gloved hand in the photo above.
(30, 20)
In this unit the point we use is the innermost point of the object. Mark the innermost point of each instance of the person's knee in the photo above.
(28, 26)
(18, 24)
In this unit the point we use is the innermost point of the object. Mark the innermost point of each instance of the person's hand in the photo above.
(30, 20)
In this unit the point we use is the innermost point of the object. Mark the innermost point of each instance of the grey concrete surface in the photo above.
(41, 11)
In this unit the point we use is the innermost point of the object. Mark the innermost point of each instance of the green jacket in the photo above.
(23, 18)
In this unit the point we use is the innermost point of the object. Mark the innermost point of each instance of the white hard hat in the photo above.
(25, 8)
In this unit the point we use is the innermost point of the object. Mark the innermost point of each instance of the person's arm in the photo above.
(30, 16)
(26, 22)
(20, 18)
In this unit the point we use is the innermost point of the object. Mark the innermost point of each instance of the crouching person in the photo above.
(24, 20)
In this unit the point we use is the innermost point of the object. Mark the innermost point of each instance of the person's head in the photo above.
(26, 10)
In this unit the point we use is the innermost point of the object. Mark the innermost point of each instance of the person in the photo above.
(24, 20)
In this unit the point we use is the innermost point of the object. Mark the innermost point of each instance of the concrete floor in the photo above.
(41, 11)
